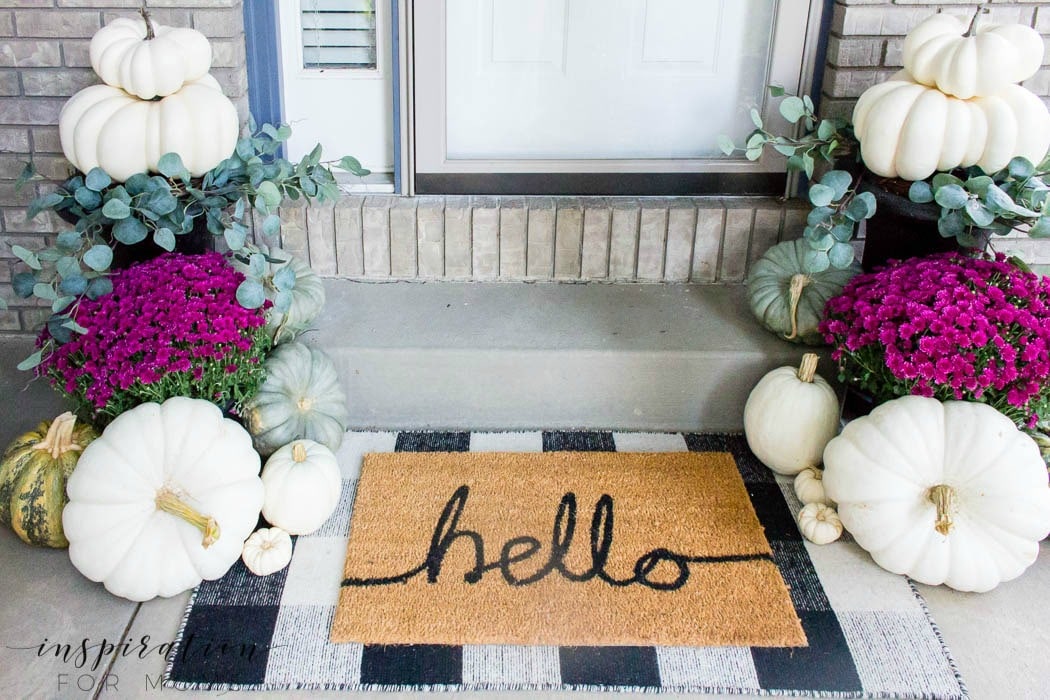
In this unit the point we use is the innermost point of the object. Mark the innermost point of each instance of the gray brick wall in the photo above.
(43, 61)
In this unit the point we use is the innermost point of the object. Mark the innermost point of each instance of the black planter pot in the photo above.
(196, 241)
(900, 228)
(856, 403)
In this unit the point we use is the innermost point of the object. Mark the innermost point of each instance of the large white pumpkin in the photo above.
(911, 131)
(946, 493)
(939, 54)
(126, 56)
(163, 499)
(790, 416)
(105, 127)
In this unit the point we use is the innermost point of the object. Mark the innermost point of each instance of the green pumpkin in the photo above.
(786, 299)
(33, 473)
(307, 300)
(300, 399)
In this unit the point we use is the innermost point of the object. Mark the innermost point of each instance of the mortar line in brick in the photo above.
(637, 239)
(389, 243)
(750, 244)
(720, 257)
(692, 243)
(444, 238)
(499, 239)
(608, 242)
(527, 210)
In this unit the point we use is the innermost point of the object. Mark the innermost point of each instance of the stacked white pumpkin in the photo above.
(956, 103)
(157, 98)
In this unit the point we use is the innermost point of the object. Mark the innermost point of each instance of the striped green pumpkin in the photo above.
(33, 473)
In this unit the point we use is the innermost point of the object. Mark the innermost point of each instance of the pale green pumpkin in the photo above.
(301, 398)
(786, 299)
(33, 475)
(307, 295)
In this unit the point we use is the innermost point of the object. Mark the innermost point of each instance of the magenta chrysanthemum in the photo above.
(947, 326)
(172, 326)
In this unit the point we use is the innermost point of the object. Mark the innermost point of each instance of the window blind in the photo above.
(339, 34)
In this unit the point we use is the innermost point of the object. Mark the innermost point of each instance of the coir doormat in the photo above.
(869, 633)
(565, 548)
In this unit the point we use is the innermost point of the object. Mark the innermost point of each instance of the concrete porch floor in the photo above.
(1000, 640)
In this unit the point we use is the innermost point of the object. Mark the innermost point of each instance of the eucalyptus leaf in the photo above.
(130, 231)
(979, 185)
(69, 241)
(67, 266)
(271, 225)
(170, 165)
(99, 257)
(841, 255)
(73, 285)
(234, 239)
(257, 265)
(950, 225)
(951, 197)
(99, 287)
(944, 179)
(137, 183)
(41, 290)
(979, 213)
(756, 118)
(1041, 228)
(284, 278)
(842, 232)
(819, 215)
(1021, 168)
(250, 294)
(74, 326)
(821, 195)
(48, 201)
(776, 91)
(56, 327)
(22, 283)
(27, 256)
(862, 207)
(162, 202)
(920, 192)
(839, 181)
(725, 144)
(32, 361)
(792, 108)
(87, 198)
(784, 149)
(270, 194)
(823, 242)
(97, 179)
(116, 210)
(62, 303)
(825, 130)
(165, 238)
(750, 153)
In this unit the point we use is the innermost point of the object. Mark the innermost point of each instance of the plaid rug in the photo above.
(870, 633)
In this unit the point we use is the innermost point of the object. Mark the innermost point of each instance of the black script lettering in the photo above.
(524, 547)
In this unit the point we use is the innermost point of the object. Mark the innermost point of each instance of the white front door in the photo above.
(336, 79)
(506, 85)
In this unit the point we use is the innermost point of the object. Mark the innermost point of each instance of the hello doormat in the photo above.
(566, 548)
(868, 631)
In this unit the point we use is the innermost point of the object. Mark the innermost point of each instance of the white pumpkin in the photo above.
(163, 499)
(948, 493)
(942, 52)
(303, 485)
(103, 126)
(819, 523)
(911, 131)
(146, 59)
(267, 551)
(809, 486)
(790, 416)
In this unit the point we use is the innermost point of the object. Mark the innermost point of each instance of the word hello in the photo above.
(650, 569)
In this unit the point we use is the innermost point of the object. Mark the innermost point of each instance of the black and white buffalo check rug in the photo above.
(870, 633)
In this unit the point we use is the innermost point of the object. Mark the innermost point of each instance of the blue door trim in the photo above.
(262, 45)
(821, 58)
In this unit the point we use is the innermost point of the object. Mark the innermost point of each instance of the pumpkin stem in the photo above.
(169, 502)
(298, 452)
(972, 29)
(798, 283)
(808, 369)
(59, 438)
(150, 33)
(943, 497)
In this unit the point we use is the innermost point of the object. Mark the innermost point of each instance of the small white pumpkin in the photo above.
(790, 416)
(911, 131)
(303, 485)
(163, 499)
(146, 59)
(809, 486)
(105, 127)
(267, 551)
(948, 493)
(819, 523)
(962, 60)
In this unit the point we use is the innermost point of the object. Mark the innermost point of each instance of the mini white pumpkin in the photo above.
(103, 126)
(148, 59)
(790, 416)
(819, 523)
(948, 493)
(911, 131)
(267, 551)
(962, 60)
(303, 485)
(163, 499)
(809, 486)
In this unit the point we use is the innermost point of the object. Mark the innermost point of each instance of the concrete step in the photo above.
(490, 356)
